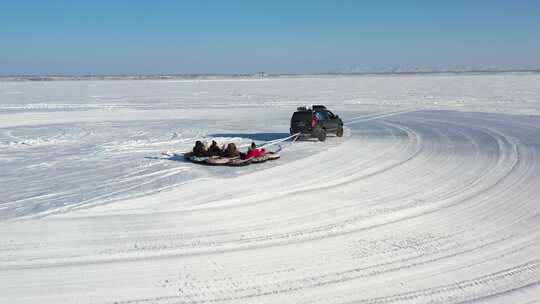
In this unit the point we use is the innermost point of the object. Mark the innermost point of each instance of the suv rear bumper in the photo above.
(304, 133)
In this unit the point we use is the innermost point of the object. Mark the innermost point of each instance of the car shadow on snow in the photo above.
(253, 136)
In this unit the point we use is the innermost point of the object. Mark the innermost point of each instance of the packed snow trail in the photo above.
(419, 207)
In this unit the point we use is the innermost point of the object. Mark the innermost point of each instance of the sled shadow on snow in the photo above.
(176, 157)
(253, 136)
(267, 136)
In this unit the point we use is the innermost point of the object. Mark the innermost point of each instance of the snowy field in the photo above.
(432, 195)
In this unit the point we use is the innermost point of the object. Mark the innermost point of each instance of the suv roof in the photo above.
(313, 108)
(318, 107)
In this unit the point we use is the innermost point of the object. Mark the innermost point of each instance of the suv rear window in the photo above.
(301, 116)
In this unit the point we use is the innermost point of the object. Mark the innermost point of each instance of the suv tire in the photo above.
(339, 132)
(322, 135)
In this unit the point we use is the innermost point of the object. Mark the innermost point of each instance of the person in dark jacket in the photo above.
(214, 150)
(199, 150)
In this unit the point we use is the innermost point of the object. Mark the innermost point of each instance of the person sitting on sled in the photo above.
(199, 150)
(255, 152)
(231, 151)
(214, 149)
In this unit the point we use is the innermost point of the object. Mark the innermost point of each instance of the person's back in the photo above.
(231, 151)
(214, 150)
(199, 150)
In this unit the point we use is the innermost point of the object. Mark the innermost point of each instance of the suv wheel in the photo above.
(322, 135)
(339, 132)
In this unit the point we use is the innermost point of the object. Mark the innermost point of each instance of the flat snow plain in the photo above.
(432, 195)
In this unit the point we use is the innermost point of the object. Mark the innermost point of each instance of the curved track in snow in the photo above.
(419, 207)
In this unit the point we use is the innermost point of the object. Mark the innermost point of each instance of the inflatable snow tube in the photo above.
(237, 162)
(272, 155)
(198, 159)
(217, 160)
(260, 159)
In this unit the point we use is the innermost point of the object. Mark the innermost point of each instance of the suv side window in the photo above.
(331, 115)
(322, 115)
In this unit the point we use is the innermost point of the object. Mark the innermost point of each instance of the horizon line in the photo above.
(157, 76)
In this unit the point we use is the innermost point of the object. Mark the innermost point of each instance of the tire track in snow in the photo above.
(399, 225)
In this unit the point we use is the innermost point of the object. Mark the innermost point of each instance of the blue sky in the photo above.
(175, 37)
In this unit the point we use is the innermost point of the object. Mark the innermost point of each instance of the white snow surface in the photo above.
(432, 195)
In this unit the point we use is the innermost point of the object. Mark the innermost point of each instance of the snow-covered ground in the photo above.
(432, 195)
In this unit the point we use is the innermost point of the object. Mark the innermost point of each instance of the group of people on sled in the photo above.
(230, 150)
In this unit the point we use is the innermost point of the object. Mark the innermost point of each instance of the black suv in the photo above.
(316, 122)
